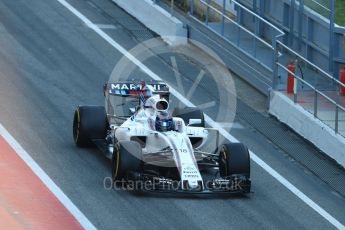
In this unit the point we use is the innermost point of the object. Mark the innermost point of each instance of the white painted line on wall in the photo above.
(209, 120)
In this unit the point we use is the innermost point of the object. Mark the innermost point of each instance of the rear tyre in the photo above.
(89, 122)
(234, 160)
(190, 113)
(127, 157)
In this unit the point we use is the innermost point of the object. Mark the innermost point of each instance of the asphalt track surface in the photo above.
(50, 62)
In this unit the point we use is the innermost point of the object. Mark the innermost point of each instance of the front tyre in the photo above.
(234, 160)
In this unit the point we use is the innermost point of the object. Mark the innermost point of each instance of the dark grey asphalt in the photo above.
(50, 62)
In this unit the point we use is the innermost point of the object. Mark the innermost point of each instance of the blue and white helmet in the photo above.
(164, 122)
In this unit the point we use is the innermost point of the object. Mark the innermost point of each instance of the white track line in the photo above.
(84, 222)
(211, 122)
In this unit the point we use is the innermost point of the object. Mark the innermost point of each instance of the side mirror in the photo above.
(132, 110)
(194, 122)
(105, 88)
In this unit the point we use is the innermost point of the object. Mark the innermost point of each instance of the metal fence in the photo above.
(248, 40)
(325, 8)
(330, 118)
(309, 27)
(246, 35)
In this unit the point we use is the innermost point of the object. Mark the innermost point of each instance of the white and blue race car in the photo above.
(154, 150)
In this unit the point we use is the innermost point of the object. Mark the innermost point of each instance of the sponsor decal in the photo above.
(151, 123)
(131, 89)
(132, 86)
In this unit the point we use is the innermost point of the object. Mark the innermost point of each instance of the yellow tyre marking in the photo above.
(117, 161)
(224, 153)
(226, 162)
(78, 124)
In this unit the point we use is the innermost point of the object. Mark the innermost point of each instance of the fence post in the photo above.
(292, 22)
(239, 20)
(295, 83)
(255, 7)
(223, 19)
(256, 33)
(207, 11)
(295, 89)
(192, 8)
(300, 25)
(336, 126)
(331, 36)
(172, 8)
(315, 103)
(262, 14)
(275, 47)
(275, 66)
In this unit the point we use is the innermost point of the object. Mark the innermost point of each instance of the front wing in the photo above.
(236, 184)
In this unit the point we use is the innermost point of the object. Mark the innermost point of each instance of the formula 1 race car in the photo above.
(157, 151)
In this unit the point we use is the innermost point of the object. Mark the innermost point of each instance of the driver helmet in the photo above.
(164, 122)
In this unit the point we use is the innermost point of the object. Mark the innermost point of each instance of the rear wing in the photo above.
(136, 88)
